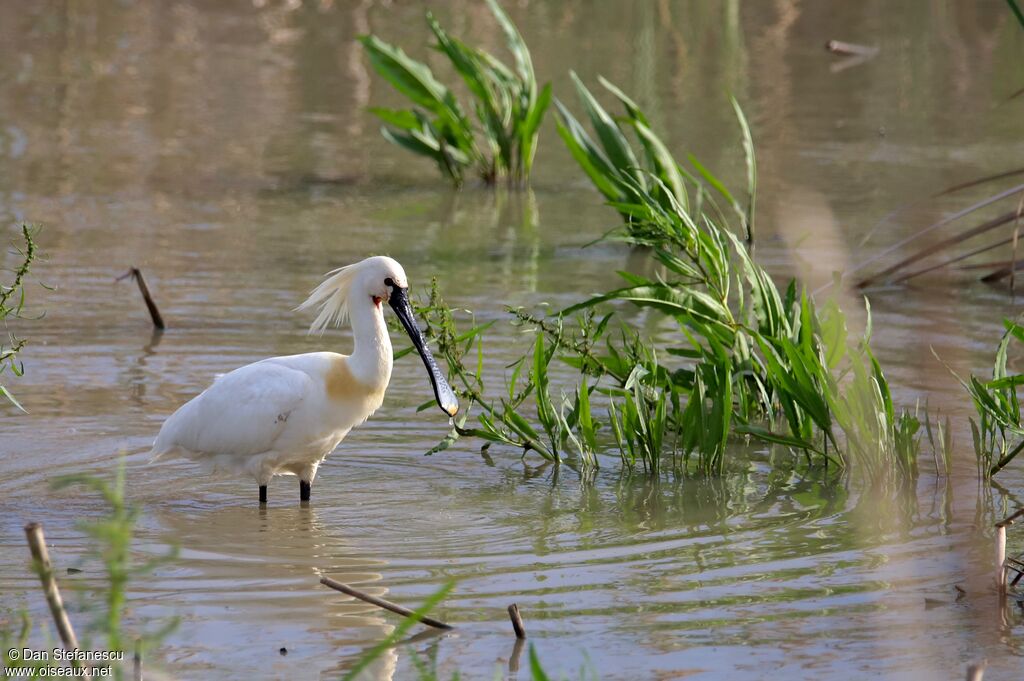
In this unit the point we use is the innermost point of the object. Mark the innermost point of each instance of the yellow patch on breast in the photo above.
(342, 385)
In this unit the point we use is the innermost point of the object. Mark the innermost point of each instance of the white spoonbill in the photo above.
(284, 415)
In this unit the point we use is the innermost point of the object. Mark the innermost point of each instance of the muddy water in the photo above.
(224, 148)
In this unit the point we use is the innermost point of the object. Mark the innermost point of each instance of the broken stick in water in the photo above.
(517, 621)
(37, 544)
(381, 603)
(154, 312)
(850, 49)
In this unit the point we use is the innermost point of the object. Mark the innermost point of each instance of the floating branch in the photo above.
(517, 621)
(381, 603)
(37, 544)
(154, 312)
(855, 54)
(850, 49)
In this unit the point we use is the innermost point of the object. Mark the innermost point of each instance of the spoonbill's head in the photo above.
(377, 280)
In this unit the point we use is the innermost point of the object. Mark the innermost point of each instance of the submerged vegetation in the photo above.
(12, 302)
(508, 104)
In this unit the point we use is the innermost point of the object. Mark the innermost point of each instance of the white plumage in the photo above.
(284, 415)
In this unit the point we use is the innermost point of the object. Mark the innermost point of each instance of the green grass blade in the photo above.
(748, 154)
(413, 79)
(399, 118)
(719, 187)
(536, 670)
(4, 392)
(1015, 8)
(665, 166)
(615, 145)
(589, 158)
(516, 45)
(777, 438)
(632, 110)
(531, 127)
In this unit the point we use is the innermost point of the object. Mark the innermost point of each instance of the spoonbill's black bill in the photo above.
(443, 392)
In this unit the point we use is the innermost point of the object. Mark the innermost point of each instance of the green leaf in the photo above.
(751, 161)
(632, 110)
(400, 118)
(615, 145)
(719, 187)
(6, 393)
(536, 670)
(1015, 8)
(664, 164)
(413, 79)
(531, 126)
(589, 158)
(516, 44)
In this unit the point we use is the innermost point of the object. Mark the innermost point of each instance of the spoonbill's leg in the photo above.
(263, 494)
(306, 481)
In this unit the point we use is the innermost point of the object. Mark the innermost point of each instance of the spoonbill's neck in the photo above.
(372, 357)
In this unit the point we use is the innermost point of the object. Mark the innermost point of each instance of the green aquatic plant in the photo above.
(757, 361)
(640, 423)
(747, 359)
(998, 433)
(625, 176)
(12, 302)
(508, 104)
(560, 424)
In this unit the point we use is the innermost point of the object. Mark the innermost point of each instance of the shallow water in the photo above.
(224, 149)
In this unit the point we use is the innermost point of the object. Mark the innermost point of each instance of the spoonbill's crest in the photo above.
(366, 278)
(284, 415)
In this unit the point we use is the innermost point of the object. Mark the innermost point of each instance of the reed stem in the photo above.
(37, 544)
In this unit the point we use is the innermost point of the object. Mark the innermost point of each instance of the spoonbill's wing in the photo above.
(243, 413)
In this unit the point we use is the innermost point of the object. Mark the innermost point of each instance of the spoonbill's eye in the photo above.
(389, 282)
